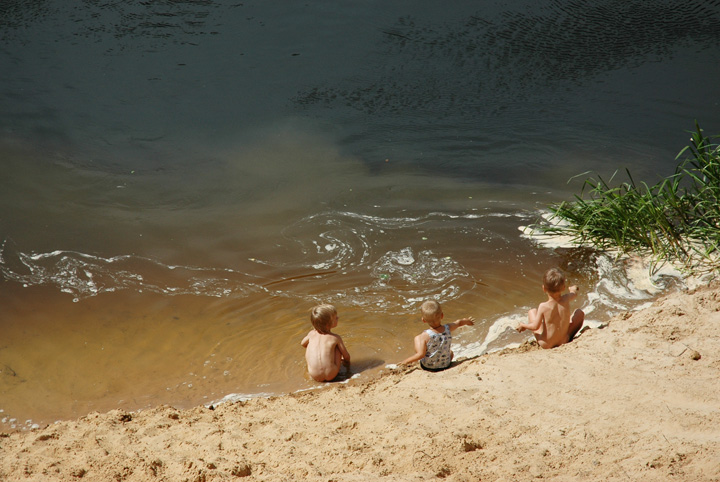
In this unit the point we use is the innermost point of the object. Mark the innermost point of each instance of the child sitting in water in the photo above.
(325, 351)
(551, 322)
(432, 346)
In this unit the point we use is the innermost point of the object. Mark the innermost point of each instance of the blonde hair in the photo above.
(321, 317)
(553, 280)
(430, 310)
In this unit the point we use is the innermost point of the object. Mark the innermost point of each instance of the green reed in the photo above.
(677, 219)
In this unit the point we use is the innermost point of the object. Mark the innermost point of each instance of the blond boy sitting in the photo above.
(432, 346)
(325, 351)
(552, 322)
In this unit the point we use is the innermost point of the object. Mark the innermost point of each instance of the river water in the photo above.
(183, 180)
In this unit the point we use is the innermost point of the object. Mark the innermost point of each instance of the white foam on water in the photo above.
(643, 274)
(624, 283)
(497, 329)
(549, 240)
(238, 397)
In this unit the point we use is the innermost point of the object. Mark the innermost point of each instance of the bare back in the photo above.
(324, 354)
(555, 321)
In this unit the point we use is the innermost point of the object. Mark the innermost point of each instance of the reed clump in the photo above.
(676, 220)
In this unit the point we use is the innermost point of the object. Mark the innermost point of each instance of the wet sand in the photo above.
(636, 400)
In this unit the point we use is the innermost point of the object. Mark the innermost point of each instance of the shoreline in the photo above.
(636, 400)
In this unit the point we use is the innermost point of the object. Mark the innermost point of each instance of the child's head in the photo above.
(322, 317)
(431, 312)
(553, 280)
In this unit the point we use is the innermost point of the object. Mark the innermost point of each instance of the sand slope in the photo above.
(637, 400)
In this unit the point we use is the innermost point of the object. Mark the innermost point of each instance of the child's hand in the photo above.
(573, 289)
(470, 321)
(520, 328)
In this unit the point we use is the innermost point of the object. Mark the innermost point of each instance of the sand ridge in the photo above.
(636, 400)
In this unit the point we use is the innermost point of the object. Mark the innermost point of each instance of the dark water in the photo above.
(183, 180)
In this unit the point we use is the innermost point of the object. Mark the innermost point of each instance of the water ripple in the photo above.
(382, 277)
(344, 257)
(83, 275)
(506, 60)
(371, 262)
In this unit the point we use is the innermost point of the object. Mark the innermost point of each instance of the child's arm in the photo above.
(572, 293)
(535, 318)
(420, 349)
(305, 341)
(470, 321)
(343, 351)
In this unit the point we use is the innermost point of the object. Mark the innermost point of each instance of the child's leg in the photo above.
(576, 323)
(532, 313)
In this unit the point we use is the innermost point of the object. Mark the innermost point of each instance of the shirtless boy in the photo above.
(551, 322)
(325, 351)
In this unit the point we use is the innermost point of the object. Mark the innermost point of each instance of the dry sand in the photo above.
(637, 400)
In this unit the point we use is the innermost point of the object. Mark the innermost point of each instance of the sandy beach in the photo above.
(636, 400)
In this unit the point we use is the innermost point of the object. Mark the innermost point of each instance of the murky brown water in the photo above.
(131, 332)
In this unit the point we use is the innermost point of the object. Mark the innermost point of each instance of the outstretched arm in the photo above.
(469, 321)
(572, 293)
(420, 349)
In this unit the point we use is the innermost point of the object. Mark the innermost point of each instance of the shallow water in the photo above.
(183, 181)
